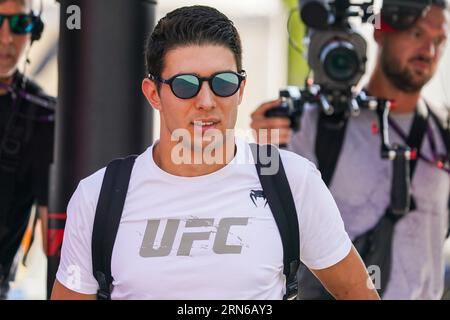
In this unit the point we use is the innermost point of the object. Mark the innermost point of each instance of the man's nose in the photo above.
(5, 33)
(429, 49)
(205, 97)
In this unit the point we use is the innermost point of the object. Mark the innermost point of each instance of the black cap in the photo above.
(402, 14)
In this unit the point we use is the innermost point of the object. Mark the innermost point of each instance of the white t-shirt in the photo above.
(205, 237)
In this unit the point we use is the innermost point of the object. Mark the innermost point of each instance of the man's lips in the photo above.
(421, 64)
(205, 124)
(5, 56)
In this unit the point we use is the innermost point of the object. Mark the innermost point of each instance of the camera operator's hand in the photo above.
(260, 121)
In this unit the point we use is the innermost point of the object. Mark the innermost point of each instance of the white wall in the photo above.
(48, 79)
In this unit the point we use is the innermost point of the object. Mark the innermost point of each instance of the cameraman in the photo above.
(407, 59)
(26, 135)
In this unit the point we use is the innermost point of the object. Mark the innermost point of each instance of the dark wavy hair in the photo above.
(193, 25)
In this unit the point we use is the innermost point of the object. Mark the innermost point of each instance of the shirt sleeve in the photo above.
(75, 269)
(323, 239)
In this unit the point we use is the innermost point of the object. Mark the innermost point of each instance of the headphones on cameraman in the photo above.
(38, 24)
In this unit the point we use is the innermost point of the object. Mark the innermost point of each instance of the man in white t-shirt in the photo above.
(198, 229)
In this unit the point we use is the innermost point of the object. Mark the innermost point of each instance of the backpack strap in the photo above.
(329, 140)
(279, 197)
(107, 219)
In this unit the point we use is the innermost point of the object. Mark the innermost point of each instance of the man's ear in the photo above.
(378, 36)
(150, 92)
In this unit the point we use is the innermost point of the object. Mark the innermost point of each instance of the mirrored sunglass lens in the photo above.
(185, 86)
(225, 84)
(21, 24)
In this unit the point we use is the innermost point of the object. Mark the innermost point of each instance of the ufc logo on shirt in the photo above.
(149, 250)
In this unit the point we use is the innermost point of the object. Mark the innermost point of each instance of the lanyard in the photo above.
(437, 159)
(22, 94)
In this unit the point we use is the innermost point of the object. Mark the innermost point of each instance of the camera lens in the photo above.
(340, 60)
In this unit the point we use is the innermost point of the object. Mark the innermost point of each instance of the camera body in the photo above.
(336, 52)
(291, 106)
(338, 58)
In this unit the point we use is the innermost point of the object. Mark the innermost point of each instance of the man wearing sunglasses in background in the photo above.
(195, 229)
(410, 46)
(26, 136)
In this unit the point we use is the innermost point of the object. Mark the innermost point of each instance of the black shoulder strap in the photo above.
(107, 219)
(415, 139)
(278, 194)
(329, 141)
(417, 133)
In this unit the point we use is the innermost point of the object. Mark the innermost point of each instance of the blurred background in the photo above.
(271, 63)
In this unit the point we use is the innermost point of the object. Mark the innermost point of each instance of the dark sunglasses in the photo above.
(187, 85)
(18, 23)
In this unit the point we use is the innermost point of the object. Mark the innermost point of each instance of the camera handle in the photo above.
(400, 155)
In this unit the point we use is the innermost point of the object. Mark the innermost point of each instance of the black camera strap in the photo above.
(329, 140)
(416, 134)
